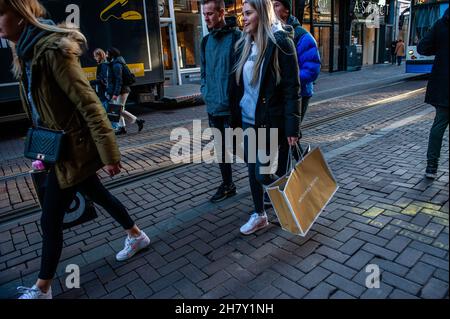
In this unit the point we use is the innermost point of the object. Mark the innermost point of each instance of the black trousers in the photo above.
(437, 132)
(221, 123)
(56, 202)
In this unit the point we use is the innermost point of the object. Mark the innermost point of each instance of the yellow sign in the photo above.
(137, 69)
(111, 12)
(91, 73)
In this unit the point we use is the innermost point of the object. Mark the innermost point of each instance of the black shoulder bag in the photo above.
(44, 144)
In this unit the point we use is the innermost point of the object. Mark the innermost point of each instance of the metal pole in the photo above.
(175, 44)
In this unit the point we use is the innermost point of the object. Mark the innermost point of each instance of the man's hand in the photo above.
(292, 140)
(113, 169)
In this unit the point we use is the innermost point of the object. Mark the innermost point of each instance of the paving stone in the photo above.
(345, 285)
(409, 257)
(359, 260)
(401, 283)
(398, 244)
(379, 251)
(400, 294)
(338, 268)
(435, 289)
(421, 273)
(290, 288)
(351, 246)
(314, 277)
(321, 291)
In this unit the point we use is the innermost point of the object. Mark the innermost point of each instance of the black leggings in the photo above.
(56, 202)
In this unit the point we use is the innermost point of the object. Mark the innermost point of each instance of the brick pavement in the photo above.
(385, 213)
(149, 150)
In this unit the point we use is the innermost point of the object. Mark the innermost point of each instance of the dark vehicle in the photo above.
(132, 26)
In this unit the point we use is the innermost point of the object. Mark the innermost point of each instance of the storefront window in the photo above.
(189, 32)
(322, 10)
(234, 9)
(307, 13)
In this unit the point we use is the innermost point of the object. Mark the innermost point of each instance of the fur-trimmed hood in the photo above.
(70, 42)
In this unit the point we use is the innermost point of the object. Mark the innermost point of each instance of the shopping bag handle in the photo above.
(291, 161)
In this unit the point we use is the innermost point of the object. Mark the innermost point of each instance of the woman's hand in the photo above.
(113, 169)
(292, 140)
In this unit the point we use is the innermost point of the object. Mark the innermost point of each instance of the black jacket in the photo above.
(101, 82)
(115, 78)
(435, 43)
(278, 105)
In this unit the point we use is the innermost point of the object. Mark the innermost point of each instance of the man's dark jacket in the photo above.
(435, 43)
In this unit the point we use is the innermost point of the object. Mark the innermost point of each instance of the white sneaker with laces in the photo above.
(255, 223)
(34, 293)
(132, 246)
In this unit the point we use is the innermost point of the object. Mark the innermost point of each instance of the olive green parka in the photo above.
(65, 101)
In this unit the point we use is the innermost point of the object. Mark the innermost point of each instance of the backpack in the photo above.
(128, 78)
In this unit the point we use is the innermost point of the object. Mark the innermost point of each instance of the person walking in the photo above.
(393, 47)
(101, 82)
(56, 94)
(118, 91)
(266, 96)
(435, 42)
(217, 60)
(400, 51)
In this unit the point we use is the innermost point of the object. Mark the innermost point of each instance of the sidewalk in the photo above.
(327, 83)
(384, 214)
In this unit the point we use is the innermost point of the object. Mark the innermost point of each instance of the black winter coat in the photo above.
(278, 105)
(435, 43)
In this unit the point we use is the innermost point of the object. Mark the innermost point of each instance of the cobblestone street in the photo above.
(373, 130)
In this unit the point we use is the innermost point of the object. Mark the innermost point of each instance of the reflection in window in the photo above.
(189, 32)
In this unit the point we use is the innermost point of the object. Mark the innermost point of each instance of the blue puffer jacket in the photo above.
(307, 55)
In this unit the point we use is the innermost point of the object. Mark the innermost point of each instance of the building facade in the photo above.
(349, 33)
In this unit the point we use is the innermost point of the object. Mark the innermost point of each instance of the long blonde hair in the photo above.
(264, 34)
(30, 11)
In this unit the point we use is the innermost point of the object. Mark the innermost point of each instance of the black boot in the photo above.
(140, 124)
(431, 171)
(223, 192)
(121, 130)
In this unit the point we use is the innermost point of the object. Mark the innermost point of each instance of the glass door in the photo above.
(322, 34)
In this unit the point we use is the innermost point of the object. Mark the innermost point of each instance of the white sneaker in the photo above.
(34, 293)
(255, 223)
(132, 246)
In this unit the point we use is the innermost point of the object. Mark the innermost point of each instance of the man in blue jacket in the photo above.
(309, 69)
(307, 51)
(217, 61)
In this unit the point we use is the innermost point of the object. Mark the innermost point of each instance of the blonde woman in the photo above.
(101, 81)
(56, 94)
(267, 95)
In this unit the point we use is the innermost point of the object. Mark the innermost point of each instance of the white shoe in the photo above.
(255, 223)
(34, 293)
(132, 246)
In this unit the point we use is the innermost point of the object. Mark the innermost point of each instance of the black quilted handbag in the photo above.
(44, 144)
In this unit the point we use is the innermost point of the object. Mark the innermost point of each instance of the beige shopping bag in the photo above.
(300, 196)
